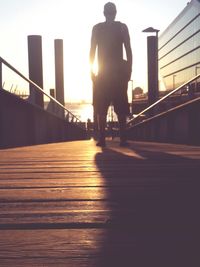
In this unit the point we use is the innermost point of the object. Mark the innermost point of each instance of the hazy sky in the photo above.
(72, 21)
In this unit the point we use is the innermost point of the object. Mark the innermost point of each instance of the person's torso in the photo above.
(110, 45)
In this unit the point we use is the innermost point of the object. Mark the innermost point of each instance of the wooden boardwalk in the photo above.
(74, 204)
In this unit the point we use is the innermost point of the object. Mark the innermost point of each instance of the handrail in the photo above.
(163, 98)
(35, 85)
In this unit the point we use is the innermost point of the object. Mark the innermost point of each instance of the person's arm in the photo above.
(127, 45)
(92, 50)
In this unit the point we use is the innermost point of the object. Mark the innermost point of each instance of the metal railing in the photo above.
(153, 110)
(51, 104)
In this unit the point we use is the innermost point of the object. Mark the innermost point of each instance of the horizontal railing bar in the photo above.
(163, 98)
(179, 70)
(183, 105)
(37, 86)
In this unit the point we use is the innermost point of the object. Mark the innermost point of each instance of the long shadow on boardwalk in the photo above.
(154, 203)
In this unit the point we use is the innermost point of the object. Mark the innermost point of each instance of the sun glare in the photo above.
(70, 22)
(87, 112)
(95, 67)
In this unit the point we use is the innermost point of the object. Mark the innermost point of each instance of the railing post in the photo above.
(35, 68)
(59, 72)
(191, 90)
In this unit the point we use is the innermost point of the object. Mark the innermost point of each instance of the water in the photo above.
(83, 111)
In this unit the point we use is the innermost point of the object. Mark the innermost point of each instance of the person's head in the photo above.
(110, 11)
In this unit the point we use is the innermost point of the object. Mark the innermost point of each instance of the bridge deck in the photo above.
(74, 204)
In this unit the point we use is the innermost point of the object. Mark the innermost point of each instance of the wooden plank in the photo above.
(93, 248)
(77, 193)
(75, 204)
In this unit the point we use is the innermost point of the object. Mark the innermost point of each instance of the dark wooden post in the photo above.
(152, 53)
(35, 68)
(52, 92)
(59, 71)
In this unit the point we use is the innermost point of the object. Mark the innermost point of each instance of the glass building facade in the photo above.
(179, 47)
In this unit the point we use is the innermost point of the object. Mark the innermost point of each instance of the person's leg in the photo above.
(122, 130)
(121, 108)
(101, 129)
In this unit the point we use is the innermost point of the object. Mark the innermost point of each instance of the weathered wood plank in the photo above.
(75, 204)
(93, 247)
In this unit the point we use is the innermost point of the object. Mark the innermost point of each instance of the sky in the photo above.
(72, 21)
